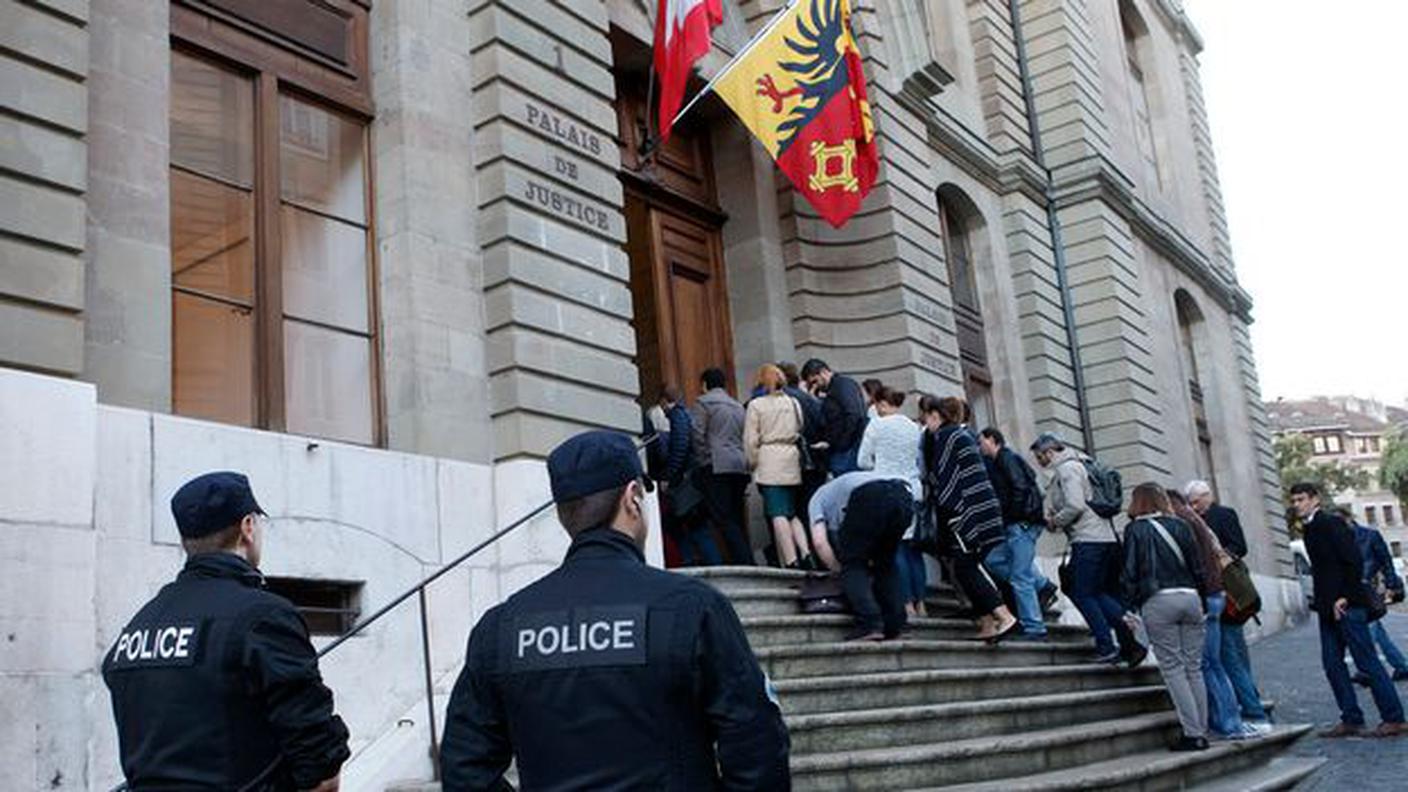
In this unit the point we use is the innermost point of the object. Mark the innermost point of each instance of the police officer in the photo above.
(214, 683)
(608, 674)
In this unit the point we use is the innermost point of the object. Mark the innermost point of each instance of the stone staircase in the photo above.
(940, 710)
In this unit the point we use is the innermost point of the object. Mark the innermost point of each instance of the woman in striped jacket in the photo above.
(966, 510)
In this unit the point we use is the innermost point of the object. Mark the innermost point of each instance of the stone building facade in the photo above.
(329, 240)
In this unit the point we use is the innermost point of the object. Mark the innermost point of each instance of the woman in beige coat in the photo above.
(770, 430)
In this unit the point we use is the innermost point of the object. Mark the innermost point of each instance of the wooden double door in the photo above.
(674, 239)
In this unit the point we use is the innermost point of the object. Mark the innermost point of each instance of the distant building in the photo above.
(1351, 431)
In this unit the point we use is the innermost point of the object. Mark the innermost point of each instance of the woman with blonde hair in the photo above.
(771, 428)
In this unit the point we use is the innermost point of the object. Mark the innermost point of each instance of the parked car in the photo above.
(1300, 560)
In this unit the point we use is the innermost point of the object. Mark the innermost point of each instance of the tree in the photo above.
(1294, 454)
(1393, 470)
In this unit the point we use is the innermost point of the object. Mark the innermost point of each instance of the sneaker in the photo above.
(1109, 658)
(1186, 743)
(1387, 729)
(1256, 728)
(1341, 730)
(1047, 596)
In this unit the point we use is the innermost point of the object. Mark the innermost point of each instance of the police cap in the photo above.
(592, 462)
(212, 502)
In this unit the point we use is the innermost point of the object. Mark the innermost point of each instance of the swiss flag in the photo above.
(682, 29)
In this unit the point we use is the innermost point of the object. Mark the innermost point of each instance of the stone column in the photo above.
(128, 330)
(550, 223)
(43, 150)
(431, 271)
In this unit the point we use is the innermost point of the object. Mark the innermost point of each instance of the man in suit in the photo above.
(1227, 527)
(1342, 605)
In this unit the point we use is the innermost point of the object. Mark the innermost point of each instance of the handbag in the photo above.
(1243, 601)
(823, 595)
(805, 459)
(687, 495)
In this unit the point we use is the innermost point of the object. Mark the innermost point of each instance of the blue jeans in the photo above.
(1224, 715)
(696, 544)
(914, 578)
(1391, 652)
(1238, 665)
(1090, 569)
(1015, 562)
(1352, 632)
(844, 461)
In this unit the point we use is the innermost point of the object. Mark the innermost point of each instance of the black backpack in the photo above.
(1106, 489)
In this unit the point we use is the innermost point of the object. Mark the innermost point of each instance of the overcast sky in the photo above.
(1309, 112)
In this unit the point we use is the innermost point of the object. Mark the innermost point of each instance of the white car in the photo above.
(1300, 561)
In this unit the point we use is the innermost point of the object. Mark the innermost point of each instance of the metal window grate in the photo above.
(330, 607)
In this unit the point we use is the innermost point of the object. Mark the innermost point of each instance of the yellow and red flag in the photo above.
(801, 91)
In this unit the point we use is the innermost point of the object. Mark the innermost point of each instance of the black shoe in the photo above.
(1400, 676)
(1361, 679)
(862, 634)
(1186, 743)
(1136, 657)
(1047, 596)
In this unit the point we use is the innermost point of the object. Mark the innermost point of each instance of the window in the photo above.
(957, 217)
(1371, 515)
(1319, 445)
(330, 607)
(1389, 517)
(1374, 445)
(1135, 30)
(273, 310)
(1332, 444)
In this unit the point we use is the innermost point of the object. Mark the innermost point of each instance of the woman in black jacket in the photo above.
(965, 509)
(1163, 579)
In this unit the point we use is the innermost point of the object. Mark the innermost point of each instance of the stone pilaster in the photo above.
(999, 78)
(429, 265)
(550, 223)
(44, 54)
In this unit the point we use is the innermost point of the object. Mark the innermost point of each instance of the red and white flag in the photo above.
(682, 29)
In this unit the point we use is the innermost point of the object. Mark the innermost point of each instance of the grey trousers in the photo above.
(1175, 623)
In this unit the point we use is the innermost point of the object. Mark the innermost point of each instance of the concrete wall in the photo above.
(43, 178)
(86, 537)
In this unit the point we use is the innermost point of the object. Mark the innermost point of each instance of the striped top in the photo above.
(957, 483)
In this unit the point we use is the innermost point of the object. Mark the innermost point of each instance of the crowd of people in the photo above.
(850, 484)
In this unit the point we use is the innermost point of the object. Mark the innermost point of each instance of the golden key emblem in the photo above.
(823, 156)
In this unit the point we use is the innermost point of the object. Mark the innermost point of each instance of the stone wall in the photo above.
(44, 52)
(86, 537)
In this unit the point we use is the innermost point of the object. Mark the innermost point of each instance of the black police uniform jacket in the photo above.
(214, 680)
(610, 675)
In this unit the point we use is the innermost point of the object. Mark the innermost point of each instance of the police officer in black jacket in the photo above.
(214, 683)
(608, 674)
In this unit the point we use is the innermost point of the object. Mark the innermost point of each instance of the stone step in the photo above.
(1160, 769)
(751, 602)
(984, 758)
(848, 692)
(870, 657)
(934, 723)
(828, 628)
(729, 579)
(1283, 772)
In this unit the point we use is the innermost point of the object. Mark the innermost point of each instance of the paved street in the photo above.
(1288, 670)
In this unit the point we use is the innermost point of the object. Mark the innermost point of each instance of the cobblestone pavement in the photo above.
(1287, 668)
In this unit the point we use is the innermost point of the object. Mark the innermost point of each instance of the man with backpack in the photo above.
(1018, 492)
(1081, 501)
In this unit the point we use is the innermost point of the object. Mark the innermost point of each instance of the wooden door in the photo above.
(681, 299)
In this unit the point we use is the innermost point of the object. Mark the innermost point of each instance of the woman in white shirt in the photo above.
(891, 445)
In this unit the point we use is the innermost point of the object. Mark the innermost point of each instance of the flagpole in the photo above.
(772, 23)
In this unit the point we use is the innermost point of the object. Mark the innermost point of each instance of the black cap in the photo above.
(212, 502)
(592, 462)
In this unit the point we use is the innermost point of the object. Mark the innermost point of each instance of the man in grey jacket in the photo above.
(718, 443)
(1095, 550)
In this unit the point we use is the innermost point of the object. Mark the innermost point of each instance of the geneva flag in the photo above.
(801, 91)
(682, 30)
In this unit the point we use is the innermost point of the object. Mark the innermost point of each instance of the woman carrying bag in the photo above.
(1164, 580)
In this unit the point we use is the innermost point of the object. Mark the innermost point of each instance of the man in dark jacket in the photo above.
(214, 683)
(1378, 563)
(683, 494)
(1341, 603)
(608, 674)
(1236, 660)
(718, 444)
(1022, 514)
(842, 413)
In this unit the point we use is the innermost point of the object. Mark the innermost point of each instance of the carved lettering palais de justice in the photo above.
(566, 205)
(562, 129)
